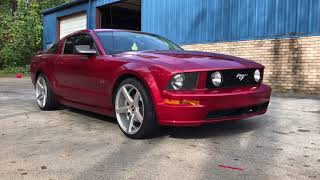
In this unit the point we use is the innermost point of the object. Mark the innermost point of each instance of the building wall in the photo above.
(50, 22)
(50, 19)
(200, 21)
(291, 64)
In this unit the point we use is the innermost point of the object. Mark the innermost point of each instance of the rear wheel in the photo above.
(134, 109)
(45, 97)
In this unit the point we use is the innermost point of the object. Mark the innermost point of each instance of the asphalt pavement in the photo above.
(73, 144)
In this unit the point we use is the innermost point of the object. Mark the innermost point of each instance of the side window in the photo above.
(54, 48)
(80, 39)
(85, 39)
(69, 44)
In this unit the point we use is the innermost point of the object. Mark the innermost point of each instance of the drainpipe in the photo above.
(89, 16)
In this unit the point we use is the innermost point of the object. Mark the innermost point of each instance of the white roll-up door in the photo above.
(72, 24)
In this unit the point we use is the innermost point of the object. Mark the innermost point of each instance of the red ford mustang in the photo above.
(146, 81)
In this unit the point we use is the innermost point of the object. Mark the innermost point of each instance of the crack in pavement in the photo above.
(18, 114)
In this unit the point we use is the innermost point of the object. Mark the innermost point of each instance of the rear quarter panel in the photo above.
(43, 63)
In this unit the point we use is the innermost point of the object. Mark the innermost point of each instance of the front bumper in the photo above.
(215, 105)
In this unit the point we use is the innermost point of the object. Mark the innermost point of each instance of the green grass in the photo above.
(12, 71)
(4, 74)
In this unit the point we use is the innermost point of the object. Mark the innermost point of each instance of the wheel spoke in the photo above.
(138, 116)
(44, 100)
(127, 95)
(136, 99)
(40, 96)
(131, 124)
(122, 110)
(40, 85)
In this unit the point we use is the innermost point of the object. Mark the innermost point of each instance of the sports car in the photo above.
(146, 81)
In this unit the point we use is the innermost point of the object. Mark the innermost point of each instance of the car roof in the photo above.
(117, 30)
(104, 30)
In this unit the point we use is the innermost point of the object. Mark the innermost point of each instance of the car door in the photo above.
(76, 74)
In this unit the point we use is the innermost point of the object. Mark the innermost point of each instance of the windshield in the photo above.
(118, 42)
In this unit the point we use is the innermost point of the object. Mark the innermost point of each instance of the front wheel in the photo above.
(134, 109)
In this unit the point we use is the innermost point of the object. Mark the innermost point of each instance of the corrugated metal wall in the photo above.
(198, 21)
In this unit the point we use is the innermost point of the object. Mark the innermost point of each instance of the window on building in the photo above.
(121, 15)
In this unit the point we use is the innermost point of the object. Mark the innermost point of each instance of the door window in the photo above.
(79, 39)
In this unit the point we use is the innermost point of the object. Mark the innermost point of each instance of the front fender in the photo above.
(143, 73)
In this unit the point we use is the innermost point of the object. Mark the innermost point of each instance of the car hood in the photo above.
(190, 60)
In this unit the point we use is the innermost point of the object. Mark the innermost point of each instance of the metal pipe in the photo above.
(89, 16)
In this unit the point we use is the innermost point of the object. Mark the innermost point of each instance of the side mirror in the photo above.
(84, 49)
(40, 52)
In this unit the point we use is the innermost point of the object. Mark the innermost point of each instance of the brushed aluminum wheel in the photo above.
(129, 108)
(41, 92)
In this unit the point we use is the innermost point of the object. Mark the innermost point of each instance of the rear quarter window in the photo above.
(54, 49)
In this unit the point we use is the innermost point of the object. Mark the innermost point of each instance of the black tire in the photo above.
(51, 102)
(150, 124)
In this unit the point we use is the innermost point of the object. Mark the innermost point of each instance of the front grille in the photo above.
(237, 112)
(230, 78)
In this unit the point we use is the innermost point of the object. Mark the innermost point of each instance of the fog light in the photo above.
(172, 102)
(190, 102)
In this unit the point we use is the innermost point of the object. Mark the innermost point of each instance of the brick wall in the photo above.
(291, 64)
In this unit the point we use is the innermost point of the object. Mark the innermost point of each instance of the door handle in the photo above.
(83, 58)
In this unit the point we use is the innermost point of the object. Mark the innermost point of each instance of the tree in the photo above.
(21, 30)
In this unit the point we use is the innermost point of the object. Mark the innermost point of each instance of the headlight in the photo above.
(216, 78)
(177, 81)
(257, 75)
(184, 81)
